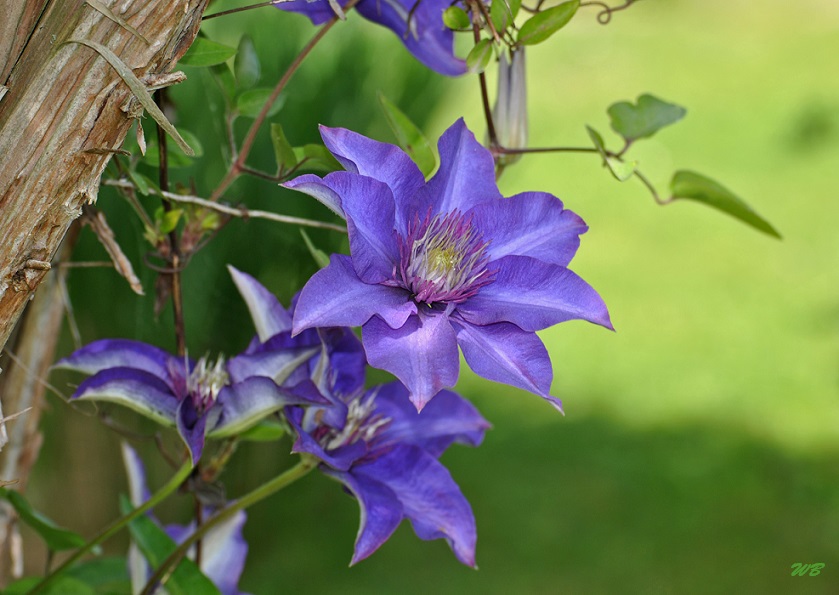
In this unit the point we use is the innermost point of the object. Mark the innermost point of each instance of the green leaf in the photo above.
(693, 186)
(57, 538)
(515, 5)
(501, 14)
(249, 103)
(225, 79)
(246, 66)
(175, 156)
(187, 579)
(283, 151)
(478, 58)
(143, 184)
(456, 18)
(622, 170)
(62, 585)
(316, 158)
(650, 115)
(266, 430)
(542, 25)
(169, 220)
(204, 52)
(106, 574)
(409, 137)
(321, 258)
(137, 88)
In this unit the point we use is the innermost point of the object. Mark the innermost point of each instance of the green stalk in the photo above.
(119, 524)
(162, 574)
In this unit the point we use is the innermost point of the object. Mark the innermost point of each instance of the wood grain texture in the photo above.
(65, 99)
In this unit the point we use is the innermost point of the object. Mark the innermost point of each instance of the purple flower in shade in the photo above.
(445, 263)
(418, 23)
(203, 398)
(223, 548)
(385, 453)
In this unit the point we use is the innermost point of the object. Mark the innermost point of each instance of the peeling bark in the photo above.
(65, 108)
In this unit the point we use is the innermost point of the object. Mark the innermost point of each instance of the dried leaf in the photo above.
(115, 18)
(141, 137)
(138, 88)
(97, 222)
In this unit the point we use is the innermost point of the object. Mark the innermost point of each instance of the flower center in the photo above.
(206, 381)
(361, 424)
(443, 259)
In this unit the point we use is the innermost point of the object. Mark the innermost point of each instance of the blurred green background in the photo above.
(699, 451)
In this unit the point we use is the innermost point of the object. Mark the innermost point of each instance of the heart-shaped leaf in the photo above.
(644, 119)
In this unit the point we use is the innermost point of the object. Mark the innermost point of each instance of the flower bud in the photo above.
(510, 111)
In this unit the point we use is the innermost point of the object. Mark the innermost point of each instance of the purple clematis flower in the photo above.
(445, 263)
(223, 548)
(202, 399)
(385, 453)
(418, 23)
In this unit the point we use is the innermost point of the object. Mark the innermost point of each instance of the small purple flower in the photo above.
(223, 549)
(445, 263)
(204, 398)
(385, 453)
(418, 23)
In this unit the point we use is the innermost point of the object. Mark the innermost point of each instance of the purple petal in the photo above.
(223, 553)
(429, 496)
(381, 512)
(534, 295)
(504, 353)
(381, 161)
(542, 229)
(314, 186)
(466, 176)
(141, 391)
(223, 550)
(318, 11)
(191, 425)
(123, 353)
(340, 458)
(277, 365)
(245, 403)
(269, 316)
(422, 353)
(346, 359)
(137, 489)
(369, 208)
(334, 410)
(446, 419)
(428, 39)
(420, 27)
(335, 296)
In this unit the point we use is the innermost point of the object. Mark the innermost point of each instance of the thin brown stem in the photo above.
(242, 9)
(239, 163)
(504, 151)
(163, 178)
(476, 30)
(651, 188)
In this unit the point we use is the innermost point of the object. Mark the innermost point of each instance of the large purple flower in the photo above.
(445, 263)
(203, 398)
(385, 453)
(418, 23)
